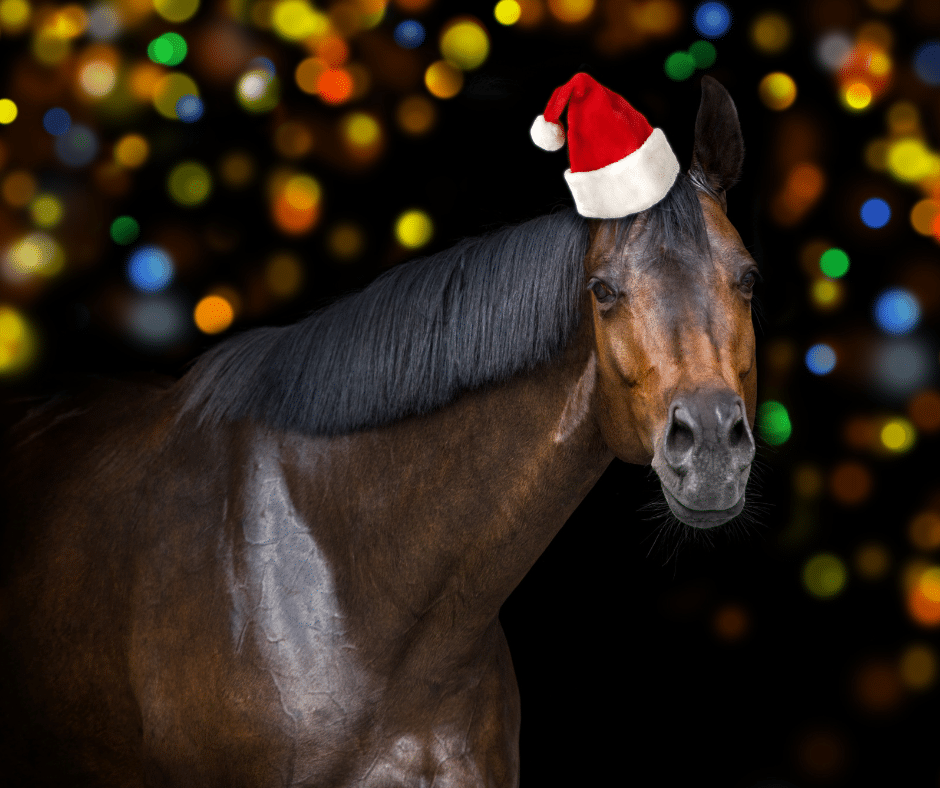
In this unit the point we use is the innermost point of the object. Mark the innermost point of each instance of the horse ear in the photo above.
(719, 147)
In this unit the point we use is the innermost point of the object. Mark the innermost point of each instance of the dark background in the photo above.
(625, 668)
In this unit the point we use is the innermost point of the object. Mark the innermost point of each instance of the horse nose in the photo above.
(712, 419)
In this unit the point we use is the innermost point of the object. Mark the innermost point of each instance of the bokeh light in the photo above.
(825, 575)
(296, 20)
(150, 269)
(443, 80)
(57, 121)
(189, 109)
(296, 205)
(213, 314)
(346, 241)
(927, 62)
(777, 91)
(924, 530)
(36, 254)
(176, 10)
(335, 85)
(46, 210)
(856, 95)
(679, 66)
(923, 215)
(834, 263)
(896, 311)
(507, 12)
(125, 230)
(169, 49)
(571, 12)
(924, 410)
(189, 183)
(413, 229)
(409, 34)
(820, 359)
(703, 53)
(770, 33)
(923, 595)
(465, 43)
(774, 422)
(156, 323)
(169, 90)
(872, 561)
(284, 275)
(918, 666)
(832, 50)
(875, 213)
(898, 435)
(18, 342)
(850, 483)
(8, 111)
(257, 90)
(416, 115)
(901, 366)
(909, 160)
(712, 20)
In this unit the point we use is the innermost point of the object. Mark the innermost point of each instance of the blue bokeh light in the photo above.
(57, 121)
(820, 359)
(77, 147)
(189, 108)
(150, 269)
(712, 20)
(897, 311)
(927, 62)
(875, 213)
(409, 34)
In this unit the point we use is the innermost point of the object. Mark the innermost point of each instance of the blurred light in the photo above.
(875, 213)
(807, 481)
(332, 50)
(770, 33)
(885, 6)
(131, 150)
(507, 12)
(703, 53)
(77, 147)
(346, 241)
(176, 10)
(927, 62)
(334, 85)
(307, 73)
(465, 44)
(97, 78)
(571, 11)
(361, 130)
(49, 48)
(416, 115)
(409, 34)
(124, 230)
(918, 666)
(824, 575)
(145, 78)
(36, 254)
(924, 530)
(150, 269)
(213, 314)
(237, 169)
(189, 109)
(296, 20)
(850, 483)
(923, 215)
(820, 359)
(774, 423)
(412, 6)
(257, 90)
(679, 66)
(923, 596)
(19, 188)
(872, 561)
(67, 22)
(169, 90)
(296, 206)
(924, 410)
(46, 210)
(8, 111)
(900, 367)
(293, 139)
(104, 22)
(876, 155)
(18, 342)
(903, 118)
(777, 90)
(14, 14)
(898, 435)
(834, 263)
(157, 322)
(910, 161)
(730, 622)
(284, 275)
(57, 121)
(712, 20)
(443, 80)
(189, 183)
(413, 229)
(857, 95)
(896, 311)
(833, 49)
(877, 686)
(169, 49)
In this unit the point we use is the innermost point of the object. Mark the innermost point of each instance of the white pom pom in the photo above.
(550, 136)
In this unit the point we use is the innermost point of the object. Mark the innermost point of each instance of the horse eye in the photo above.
(601, 291)
(749, 280)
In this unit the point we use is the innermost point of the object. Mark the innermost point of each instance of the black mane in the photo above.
(473, 315)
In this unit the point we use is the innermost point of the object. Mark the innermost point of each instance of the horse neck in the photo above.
(442, 515)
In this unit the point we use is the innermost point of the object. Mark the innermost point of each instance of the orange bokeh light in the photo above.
(335, 85)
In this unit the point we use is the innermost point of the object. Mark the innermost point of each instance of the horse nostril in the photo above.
(679, 440)
(736, 435)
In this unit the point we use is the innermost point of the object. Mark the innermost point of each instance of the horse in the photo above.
(286, 568)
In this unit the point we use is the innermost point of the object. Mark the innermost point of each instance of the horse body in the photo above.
(207, 586)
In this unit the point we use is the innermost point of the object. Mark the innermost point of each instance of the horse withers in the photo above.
(286, 568)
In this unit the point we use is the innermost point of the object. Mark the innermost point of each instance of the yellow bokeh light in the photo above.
(213, 314)
(416, 115)
(909, 160)
(284, 275)
(169, 90)
(770, 33)
(413, 229)
(14, 15)
(296, 20)
(18, 342)
(930, 583)
(36, 254)
(777, 90)
(176, 10)
(918, 666)
(68, 22)
(18, 188)
(571, 11)
(507, 12)
(443, 80)
(923, 215)
(824, 575)
(131, 150)
(857, 96)
(346, 241)
(97, 78)
(46, 210)
(465, 44)
(826, 294)
(302, 192)
(189, 183)
(50, 49)
(879, 64)
(8, 111)
(361, 130)
(898, 435)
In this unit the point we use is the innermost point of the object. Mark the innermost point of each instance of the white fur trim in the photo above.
(628, 186)
(549, 136)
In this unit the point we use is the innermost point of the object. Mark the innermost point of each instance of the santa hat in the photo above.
(619, 163)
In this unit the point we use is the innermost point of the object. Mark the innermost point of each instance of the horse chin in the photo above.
(702, 518)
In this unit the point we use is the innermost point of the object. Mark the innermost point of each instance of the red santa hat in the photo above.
(620, 165)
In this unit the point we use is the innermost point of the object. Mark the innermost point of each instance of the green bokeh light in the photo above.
(824, 575)
(680, 66)
(168, 49)
(703, 53)
(124, 230)
(834, 263)
(774, 423)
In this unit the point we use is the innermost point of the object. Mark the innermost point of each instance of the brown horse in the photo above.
(286, 569)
